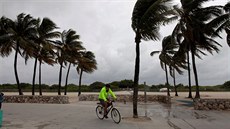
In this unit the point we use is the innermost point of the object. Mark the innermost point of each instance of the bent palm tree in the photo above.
(65, 48)
(146, 18)
(198, 26)
(86, 64)
(5, 44)
(17, 34)
(227, 29)
(45, 32)
(74, 46)
(47, 55)
(166, 57)
(169, 57)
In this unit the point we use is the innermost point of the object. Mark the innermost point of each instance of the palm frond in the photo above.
(154, 53)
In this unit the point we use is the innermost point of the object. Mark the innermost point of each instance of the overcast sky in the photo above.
(105, 29)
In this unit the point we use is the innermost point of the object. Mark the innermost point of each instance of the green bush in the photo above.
(96, 86)
(226, 84)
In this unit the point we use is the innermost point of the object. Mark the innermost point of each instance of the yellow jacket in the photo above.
(104, 95)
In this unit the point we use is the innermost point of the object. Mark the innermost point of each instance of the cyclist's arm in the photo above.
(112, 94)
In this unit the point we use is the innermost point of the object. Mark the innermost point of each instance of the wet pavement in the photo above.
(81, 115)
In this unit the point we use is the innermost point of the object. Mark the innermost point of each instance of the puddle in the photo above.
(139, 119)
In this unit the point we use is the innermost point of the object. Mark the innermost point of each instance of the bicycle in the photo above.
(115, 114)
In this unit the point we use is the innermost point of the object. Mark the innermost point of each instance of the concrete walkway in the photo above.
(81, 115)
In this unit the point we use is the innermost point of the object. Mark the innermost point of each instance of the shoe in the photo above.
(106, 116)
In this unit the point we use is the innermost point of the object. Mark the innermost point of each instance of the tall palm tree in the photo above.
(86, 64)
(17, 35)
(146, 18)
(198, 26)
(45, 32)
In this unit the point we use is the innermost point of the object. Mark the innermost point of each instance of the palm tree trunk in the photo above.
(15, 69)
(40, 79)
(66, 80)
(189, 77)
(35, 67)
(174, 82)
(167, 80)
(136, 74)
(195, 75)
(79, 90)
(60, 76)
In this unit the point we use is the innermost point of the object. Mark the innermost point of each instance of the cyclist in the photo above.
(103, 98)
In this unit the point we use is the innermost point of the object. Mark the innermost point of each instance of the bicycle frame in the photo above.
(110, 107)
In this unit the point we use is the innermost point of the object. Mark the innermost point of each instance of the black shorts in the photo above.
(102, 102)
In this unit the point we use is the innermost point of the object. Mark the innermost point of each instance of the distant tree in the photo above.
(96, 85)
(226, 84)
(126, 84)
(115, 83)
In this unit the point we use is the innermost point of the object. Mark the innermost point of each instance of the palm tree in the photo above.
(177, 63)
(45, 32)
(17, 34)
(86, 64)
(169, 56)
(227, 29)
(69, 40)
(5, 44)
(146, 18)
(46, 55)
(73, 52)
(165, 57)
(177, 37)
(198, 26)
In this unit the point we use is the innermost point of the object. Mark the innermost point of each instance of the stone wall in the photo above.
(36, 99)
(129, 98)
(211, 104)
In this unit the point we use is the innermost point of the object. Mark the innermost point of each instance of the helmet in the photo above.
(107, 85)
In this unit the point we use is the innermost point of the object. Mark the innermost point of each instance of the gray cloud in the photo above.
(105, 29)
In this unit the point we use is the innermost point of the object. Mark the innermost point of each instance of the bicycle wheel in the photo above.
(100, 112)
(116, 115)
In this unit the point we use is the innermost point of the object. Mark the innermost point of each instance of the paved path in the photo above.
(81, 115)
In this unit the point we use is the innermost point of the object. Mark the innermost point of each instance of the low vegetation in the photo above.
(116, 86)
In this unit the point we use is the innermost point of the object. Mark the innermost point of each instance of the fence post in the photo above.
(145, 92)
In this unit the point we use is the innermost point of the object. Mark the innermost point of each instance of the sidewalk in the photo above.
(81, 115)
(70, 116)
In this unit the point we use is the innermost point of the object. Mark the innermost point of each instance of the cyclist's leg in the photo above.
(102, 102)
(105, 105)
